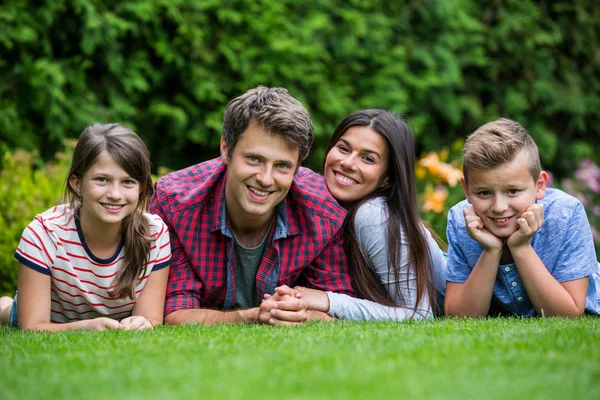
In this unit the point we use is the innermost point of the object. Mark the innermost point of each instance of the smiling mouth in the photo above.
(500, 220)
(113, 206)
(344, 179)
(258, 192)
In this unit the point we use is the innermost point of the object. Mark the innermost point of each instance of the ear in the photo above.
(465, 187)
(224, 151)
(541, 185)
(385, 181)
(75, 184)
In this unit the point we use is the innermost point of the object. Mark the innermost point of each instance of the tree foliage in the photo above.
(168, 67)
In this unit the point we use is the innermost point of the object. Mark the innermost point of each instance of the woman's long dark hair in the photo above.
(130, 152)
(400, 195)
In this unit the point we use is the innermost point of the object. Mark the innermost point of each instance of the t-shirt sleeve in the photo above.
(457, 268)
(577, 255)
(161, 246)
(37, 249)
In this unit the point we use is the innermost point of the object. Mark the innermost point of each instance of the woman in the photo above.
(396, 265)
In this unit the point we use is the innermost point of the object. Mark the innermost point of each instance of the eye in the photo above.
(483, 193)
(130, 182)
(252, 159)
(100, 179)
(282, 165)
(342, 148)
(513, 191)
(369, 159)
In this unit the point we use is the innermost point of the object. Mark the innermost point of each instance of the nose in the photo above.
(349, 162)
(114, 192)
(499, 204)
(265, 176)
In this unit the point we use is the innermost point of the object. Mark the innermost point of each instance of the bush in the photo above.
(26, 189)
(167, 68)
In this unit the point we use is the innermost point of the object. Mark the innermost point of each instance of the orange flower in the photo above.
(446, 171)
(450, 174)
(432, 162)
(434, 199)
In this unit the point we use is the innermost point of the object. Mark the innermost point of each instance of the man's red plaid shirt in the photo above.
(303, 244)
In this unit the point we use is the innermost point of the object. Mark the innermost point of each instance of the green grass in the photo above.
(462, 359)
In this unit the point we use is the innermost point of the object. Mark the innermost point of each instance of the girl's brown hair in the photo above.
(131, 153)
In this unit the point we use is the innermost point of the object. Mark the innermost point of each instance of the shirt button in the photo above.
(514, 284)
(520, 298)
(507, 269)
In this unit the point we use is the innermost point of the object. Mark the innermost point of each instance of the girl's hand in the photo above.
(102, 324)
(477, 231)
(136, 322)
(529, 223)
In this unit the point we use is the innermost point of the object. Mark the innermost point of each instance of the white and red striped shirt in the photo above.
(53, 244)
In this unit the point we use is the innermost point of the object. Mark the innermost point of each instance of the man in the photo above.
(251, 220)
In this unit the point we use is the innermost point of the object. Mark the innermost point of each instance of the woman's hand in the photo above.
(315, 299)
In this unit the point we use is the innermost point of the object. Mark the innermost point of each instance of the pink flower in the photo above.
(589, 175)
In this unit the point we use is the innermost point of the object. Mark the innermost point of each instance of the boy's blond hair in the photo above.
(498, 142)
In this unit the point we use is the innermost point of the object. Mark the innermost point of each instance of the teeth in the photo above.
(112, 207)
(258, 192)
(345, 179)
(501, 219)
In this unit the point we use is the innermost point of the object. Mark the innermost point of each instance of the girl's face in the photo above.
(107, 192)
(356, 165)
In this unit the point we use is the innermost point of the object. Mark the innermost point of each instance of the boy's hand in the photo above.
(477, 231)
(529, 223)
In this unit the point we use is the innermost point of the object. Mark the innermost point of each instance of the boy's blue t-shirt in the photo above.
(564, 244)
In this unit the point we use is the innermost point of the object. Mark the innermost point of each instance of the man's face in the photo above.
(500, 195)
(259, 175)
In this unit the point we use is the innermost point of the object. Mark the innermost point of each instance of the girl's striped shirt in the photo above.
(53, 244)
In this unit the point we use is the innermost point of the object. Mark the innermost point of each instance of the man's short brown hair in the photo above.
(275, 111)
(498, 142)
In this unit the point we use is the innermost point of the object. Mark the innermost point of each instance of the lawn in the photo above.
(462, 359)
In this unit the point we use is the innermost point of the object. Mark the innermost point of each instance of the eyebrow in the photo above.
(363, 150)
(258, 155)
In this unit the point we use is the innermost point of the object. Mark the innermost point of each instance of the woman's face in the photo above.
(356, 165)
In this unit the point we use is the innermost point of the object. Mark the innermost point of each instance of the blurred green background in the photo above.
(167, 69)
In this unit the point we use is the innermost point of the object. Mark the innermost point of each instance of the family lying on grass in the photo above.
(253, 237)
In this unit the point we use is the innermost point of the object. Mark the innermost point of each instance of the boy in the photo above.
(515, 246)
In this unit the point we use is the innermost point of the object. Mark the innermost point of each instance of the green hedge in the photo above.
(168, 67)
(26, 189)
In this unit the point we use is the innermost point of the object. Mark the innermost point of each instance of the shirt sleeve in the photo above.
(162, 243)
(458, 269)
(329, 270)
(36, 249)
(577, 255)
(183, 286)
(346, 307)
(370, 223)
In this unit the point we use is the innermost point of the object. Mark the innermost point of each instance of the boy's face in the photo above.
(500, 195)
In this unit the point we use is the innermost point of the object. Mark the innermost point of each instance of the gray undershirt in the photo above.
(248, 261)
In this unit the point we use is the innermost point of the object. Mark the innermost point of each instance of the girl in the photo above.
(99, 262)
(397, 267)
